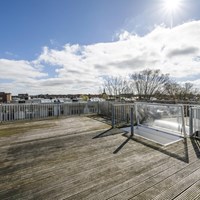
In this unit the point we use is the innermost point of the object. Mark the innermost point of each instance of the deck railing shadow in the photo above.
(196, 146)
(184, 157)
(109, 132)
(122, 145)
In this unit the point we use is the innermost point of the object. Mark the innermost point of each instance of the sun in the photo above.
(172, 5)
(171, 9)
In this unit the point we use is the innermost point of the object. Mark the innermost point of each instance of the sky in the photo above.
(68, 46)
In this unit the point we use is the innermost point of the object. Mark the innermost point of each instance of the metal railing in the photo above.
(105, 109)
(195, 121)
(186, 108)
(13, 112)
(121, 114)
(162, 117)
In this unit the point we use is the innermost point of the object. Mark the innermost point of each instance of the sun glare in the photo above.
(172, 8)
(172, 5)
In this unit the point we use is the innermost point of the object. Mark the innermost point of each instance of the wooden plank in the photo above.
(75, 166)
(146, 163)
(135, 189)
(192, 192)
(197, 197)
(181, 186)
(68, 180)
(115, 184)
(58, 167)
(169, 182)
(116, 187)
(133, 168)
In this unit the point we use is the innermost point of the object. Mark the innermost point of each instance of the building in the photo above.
(23, 96)
(5, 97)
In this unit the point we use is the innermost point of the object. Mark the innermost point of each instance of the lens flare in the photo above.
(172, 8)
(172, 5)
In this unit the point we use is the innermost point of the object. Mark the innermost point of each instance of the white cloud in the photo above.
(19, 70)
(79, 68)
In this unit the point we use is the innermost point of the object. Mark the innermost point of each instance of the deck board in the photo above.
(72, 161)
(190, 193)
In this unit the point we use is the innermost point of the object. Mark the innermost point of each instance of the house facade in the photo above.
(5, 97)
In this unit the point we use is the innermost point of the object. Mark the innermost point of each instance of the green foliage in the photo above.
(85, 97)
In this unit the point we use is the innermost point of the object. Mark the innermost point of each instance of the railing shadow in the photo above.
(122, 145)
(184, 158)
(196, 146)
(109, 132)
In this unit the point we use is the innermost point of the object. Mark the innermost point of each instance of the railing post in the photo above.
(98, 108)
(1, 113)
(191, 121)
(136, 115)
(183, 121)
(132, 122)
(108, 109)
(113, 116)
(57, 109)
(31, 111)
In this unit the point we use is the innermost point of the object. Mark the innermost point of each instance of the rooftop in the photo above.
(83, 158)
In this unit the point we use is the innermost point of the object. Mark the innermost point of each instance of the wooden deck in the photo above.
(82, 158)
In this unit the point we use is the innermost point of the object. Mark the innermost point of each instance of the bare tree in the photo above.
(188, 91)
(149, 82)
(172, 89)
(180, 92)
(115, 85)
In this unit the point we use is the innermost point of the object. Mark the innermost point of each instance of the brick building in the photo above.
(5, 97)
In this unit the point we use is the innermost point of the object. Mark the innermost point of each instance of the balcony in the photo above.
(82, 157)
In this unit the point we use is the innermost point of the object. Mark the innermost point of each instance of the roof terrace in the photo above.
(84, 158)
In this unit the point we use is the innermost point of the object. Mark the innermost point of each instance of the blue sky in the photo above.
(28, 25)
(66, 46)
